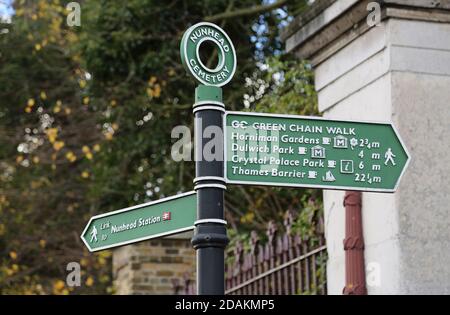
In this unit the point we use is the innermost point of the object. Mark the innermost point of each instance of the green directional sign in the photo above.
(297, 151)
(164, 217)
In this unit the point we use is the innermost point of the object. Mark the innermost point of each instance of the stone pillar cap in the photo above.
(327, 20)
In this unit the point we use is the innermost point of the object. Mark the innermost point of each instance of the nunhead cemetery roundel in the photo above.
(190, 47)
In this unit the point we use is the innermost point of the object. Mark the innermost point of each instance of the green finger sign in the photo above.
(155, 219)
(312, 152)
(190, 47)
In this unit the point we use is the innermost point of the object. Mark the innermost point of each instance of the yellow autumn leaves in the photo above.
(59, 288)
(110, 130)
(248, 217)
(71, 156)
(52, 133)
(154, 88)
(13, 255)
(9, 271)
(52, 136)
(58, 105)
(58, 145)
(53, 13)
(40, 45)
(96, 147)
(82, 83)
(31, 102)
(88, 153)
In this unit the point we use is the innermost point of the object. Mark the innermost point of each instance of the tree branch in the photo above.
(215, 52)
(247, 11)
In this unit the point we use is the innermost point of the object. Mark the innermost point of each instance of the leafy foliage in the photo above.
(85, 120)
(49, 137)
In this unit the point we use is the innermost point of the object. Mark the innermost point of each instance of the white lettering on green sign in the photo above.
(209, 33)
(296, 151)
(190, 54)
(154, 219)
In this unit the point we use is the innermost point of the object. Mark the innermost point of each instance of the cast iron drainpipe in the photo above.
(355, 275)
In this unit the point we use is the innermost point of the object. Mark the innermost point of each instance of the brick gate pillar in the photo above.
(151, 267)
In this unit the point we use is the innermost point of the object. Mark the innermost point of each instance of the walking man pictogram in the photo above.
(389, 156)
(94, 234)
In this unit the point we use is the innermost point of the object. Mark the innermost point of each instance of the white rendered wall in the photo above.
(400, 72)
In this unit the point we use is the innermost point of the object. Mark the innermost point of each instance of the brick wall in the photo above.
(152, 267)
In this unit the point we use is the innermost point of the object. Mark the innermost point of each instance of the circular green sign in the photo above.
(190, 56)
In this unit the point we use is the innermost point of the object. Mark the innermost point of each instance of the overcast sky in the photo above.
(6, 9)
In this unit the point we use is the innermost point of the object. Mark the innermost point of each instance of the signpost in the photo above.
(258, 149)
(210, 238)
(296, 151)
(139, 223)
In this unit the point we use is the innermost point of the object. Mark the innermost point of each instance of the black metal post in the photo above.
(210, 237)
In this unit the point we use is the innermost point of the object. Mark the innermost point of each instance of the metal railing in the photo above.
(284, 264)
